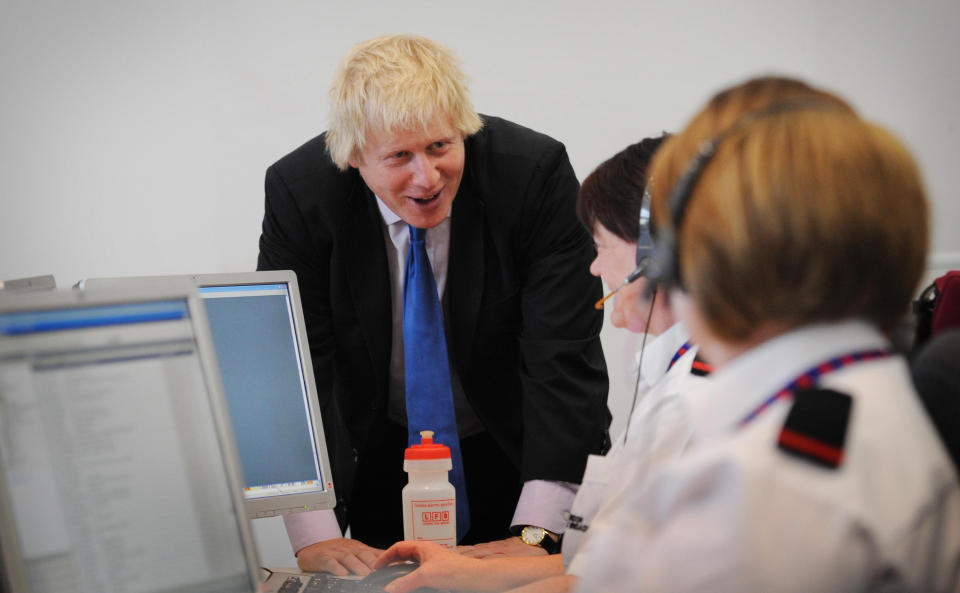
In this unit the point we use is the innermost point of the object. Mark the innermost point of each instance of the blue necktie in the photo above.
(426, 367)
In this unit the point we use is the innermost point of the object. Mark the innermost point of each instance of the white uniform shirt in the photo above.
(658, 429)
(737, 514)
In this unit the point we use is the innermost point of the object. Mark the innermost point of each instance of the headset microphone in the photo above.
(634, 275)
(640, 271)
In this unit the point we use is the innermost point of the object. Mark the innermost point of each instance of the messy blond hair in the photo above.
(395, 82)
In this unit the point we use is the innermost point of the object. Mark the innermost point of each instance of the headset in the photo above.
(658, 260)
(646, 247)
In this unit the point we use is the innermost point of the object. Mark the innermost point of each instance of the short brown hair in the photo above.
(803, 214)
(611, 194)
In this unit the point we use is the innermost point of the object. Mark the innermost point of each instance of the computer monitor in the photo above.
(118, 469)
(33, 283)
(261, 341)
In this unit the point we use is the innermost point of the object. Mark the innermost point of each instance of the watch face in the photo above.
(533, 535)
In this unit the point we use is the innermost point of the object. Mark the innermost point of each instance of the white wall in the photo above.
(134, 134)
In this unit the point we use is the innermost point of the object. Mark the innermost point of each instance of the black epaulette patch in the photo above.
(700, 367)
(816, 426)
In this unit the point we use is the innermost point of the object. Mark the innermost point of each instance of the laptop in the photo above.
(260, 337)
(118, 470)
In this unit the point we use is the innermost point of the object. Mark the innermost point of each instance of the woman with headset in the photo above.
(658, 429)
(791, 236)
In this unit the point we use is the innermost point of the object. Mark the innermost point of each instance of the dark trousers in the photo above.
(375, 511)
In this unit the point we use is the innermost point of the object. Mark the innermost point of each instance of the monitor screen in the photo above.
(263, 375)
(117, 462)
(259, 334)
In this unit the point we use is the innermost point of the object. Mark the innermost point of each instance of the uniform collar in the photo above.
(660, 351)
(739, 387)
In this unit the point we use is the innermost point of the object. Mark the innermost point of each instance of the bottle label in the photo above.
(435, 521)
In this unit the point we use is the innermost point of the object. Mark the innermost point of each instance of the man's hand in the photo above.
(338, 556)
(512, 546)
(439, 567)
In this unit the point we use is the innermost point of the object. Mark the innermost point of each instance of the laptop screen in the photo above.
(116, 457)
(259, 334)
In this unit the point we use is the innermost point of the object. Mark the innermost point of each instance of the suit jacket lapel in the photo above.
(369, 278)
(465, 272)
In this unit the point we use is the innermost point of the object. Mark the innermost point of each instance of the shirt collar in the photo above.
(739, 387)
(660, 351)
(390, 217)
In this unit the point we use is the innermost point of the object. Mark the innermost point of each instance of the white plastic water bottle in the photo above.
(429, 500)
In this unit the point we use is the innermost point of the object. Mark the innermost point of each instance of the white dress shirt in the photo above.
(735, 513)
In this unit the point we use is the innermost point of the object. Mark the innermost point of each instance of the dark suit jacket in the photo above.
(524, 336)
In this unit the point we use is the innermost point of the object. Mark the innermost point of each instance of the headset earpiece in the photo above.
(645, 244)
(668, 264)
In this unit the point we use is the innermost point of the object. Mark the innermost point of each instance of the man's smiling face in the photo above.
(415, 172)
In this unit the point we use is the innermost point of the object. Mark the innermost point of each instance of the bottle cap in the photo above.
(427, 449)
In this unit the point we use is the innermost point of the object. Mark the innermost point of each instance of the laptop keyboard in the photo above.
(374, 582)
(322, 583)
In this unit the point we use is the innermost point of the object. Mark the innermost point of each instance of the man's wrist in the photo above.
(542, 503)
(533, 535)
(311, 527)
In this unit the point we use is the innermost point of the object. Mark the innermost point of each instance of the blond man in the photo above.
(405, 148)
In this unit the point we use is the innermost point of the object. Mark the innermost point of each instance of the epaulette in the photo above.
(700, 367)
(816, 426)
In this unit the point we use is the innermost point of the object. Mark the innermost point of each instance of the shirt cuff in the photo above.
(310, 527)
(543, 503)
